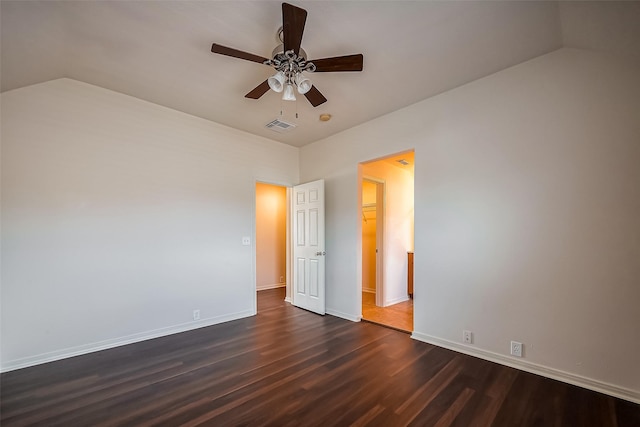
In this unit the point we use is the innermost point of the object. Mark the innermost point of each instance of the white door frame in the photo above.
(360, 178)
(380, 220)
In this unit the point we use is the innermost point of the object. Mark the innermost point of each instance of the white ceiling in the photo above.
(159, 51)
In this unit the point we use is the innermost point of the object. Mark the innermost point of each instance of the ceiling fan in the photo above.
(290, 61)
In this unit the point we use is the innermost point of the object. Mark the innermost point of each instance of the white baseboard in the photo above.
(396, 300)
(534, 368)
(288, 299)
(52, 356)
(274, 286)
(343, 315)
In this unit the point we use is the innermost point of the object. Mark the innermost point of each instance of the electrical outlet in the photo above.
(467, 337)
(246, 241)
(281, 279)
(196, 314)
(516, 348)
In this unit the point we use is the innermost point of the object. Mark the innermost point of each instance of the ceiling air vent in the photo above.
(280, 126)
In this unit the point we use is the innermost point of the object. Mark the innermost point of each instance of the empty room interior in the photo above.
(375, 213)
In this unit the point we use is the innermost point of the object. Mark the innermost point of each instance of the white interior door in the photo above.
(308, 246)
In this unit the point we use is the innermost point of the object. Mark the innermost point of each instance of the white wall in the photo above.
(527, 215)
(120, 217)
(398, 227)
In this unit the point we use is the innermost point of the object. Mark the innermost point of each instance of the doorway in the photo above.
(386, 186)
(271, 245)
(372, 239)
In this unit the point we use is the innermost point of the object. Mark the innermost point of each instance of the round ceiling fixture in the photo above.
(325, 117)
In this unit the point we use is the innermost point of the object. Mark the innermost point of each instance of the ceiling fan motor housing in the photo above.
(289, 62)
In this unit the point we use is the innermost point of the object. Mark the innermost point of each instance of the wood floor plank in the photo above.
(368, 417)
(452, 412)
(289, 367)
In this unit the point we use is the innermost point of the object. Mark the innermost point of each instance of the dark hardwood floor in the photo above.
(289, 367)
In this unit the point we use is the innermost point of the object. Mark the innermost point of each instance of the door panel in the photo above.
(300, 276)
(313, 278)
(300, 216)
(308, 251)
(313, 227)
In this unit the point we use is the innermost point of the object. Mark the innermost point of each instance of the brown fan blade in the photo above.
(259, 90)
(293, 20)
(315, 97)
(223, 50)
(339, 63)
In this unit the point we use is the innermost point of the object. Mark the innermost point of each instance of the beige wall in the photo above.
(120, 218)
(271, 221)
(527, 214)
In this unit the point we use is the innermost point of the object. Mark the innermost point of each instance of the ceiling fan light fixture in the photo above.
(289, 61)
(289, 94)
(303, 84)
(276, 82)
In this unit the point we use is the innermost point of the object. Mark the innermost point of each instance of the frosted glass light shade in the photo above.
(276, 82)
(303, 83)
(289, 94)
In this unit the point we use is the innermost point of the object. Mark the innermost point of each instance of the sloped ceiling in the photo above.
(159, 51)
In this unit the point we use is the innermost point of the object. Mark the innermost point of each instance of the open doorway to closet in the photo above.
(387, 240)
(271, 245)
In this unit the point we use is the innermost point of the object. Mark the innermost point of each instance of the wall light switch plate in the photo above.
(467, 337)
(246, 241)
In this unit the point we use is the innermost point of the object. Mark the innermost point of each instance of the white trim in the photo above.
(25, 362)
(274, 286)
(397, 300)
(288, 299)
(290, 260)
(381, 212)
(534, 368)
(288, 277)
(343, 315)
